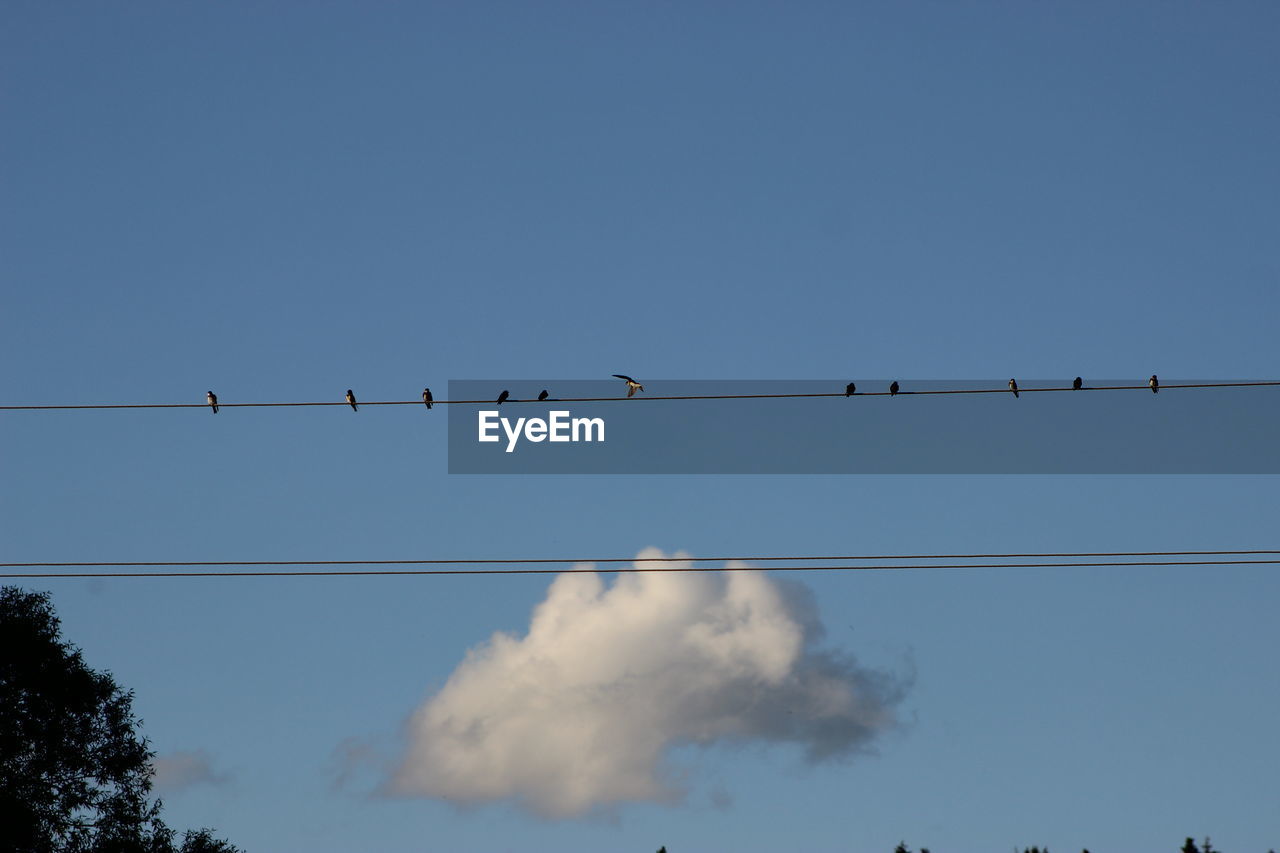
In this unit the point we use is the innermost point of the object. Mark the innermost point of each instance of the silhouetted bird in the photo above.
(1013, 386)
(543, 395)
(426, 397)
(351, 398)
(1077, 384)
(893, 389)
(1154, 383)
(849, 389)
(502, 398)
(632, 385)
(213, 401)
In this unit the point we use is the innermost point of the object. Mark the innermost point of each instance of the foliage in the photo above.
(74, 775)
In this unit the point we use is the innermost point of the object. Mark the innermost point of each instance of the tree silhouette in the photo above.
(74, 776)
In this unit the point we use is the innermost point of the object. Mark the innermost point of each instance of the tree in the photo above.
(74, 775)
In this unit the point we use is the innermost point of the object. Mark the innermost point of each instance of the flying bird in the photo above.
(543, 395)
(213, 401)
(632, 385)
(426, 397)
(893, 389)
(502, 398)
(351, 399)
(849, 389)
(1013, 386)
(1154, 383)
(1077, 384)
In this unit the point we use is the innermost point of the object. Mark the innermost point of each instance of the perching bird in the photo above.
(632, 385)
(351, 398)
(1013, 386)
(1154, 383)
(543, 395)
(893, 389)
(213, 401)
(1077, 384)
(426, 397)
(503, 396)
(849, 389)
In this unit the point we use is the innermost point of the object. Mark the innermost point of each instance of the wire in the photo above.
(634, 569)
(638, 569)
(527, 560)
(648, 398)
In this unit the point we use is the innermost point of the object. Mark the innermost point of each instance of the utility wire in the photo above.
(634, 569)
(637, 569)
(527, 560)
(648, 398)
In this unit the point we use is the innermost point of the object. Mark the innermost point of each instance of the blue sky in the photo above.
(284, 201)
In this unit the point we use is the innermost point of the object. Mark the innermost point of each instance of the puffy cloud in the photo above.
(176, 771)
(581, 712)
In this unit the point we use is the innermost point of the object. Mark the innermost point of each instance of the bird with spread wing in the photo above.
(632, 385)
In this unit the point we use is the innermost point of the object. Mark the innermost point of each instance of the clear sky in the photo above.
(282, 201)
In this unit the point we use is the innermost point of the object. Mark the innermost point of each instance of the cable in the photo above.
(636, 569)
(527, 560)
(648, 398)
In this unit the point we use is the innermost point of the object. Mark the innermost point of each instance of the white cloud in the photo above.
(176, 771)
(581, 712)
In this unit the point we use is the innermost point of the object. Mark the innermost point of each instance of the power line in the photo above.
(647, 398)
(634, 569)
(564, 560)
(639, 569)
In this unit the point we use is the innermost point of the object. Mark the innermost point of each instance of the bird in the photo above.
(351, 399)
(543, 395)
(632, 385)
(893, 389)
(426, 397)
(1077, 384)
(849, 389)
(1013, 386)
(1154, 383)
(213, 401)
(503, 396)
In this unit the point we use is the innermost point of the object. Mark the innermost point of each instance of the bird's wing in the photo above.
(620, 376)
